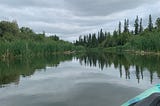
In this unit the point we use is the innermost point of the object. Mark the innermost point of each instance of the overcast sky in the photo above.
(71, 18)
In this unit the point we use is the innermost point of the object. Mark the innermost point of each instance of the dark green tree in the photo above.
(9, 27)
(150, 24)
(141, 26)
(119, 28)
(101, 36)
(90, 40)
(158, 23)
(55, 38)
(126, 25)
(26, 30)
(94, 40)
(136, 25)
(115, 38)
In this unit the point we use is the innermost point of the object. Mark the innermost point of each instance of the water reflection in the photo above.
(138, 63)
(11, 70)
(128, 65)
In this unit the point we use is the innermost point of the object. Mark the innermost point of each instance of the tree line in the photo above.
(139, 38)
(15, 41)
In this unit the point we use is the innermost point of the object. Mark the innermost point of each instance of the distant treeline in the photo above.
(15, 41)
(146, 39)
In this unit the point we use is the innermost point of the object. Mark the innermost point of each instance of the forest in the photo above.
(139, 39)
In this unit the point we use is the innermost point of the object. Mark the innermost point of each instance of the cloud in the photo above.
(33, 3)
(103, 7)
(71, 18)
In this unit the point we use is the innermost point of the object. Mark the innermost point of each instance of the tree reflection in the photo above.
(11, 70)
(124, 62)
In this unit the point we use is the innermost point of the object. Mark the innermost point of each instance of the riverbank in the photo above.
(143, 52)
(123, 50)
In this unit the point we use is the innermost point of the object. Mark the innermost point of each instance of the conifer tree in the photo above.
(141, 26)
(158, 23)
(101, 36)
(150, 24)
(119, 28)
(126, 25)
(136, 25)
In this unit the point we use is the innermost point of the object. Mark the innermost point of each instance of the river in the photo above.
(90, 79)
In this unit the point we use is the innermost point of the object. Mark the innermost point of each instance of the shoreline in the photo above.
(142, 52)
(136, 52)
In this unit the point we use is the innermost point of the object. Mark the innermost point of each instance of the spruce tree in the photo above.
(119, 29)
(141, 26)
(94, 40)
(101, 36)
(126, 25)
(136, 25)
(150, 24)
(158, 23)
(89, 40)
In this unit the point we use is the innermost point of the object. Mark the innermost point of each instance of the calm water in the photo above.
(81, 80)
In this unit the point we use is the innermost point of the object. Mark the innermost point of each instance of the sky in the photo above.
(71, 18)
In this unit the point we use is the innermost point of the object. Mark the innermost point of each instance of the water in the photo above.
(80, 80)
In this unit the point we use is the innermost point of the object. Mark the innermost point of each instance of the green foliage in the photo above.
(126, 26)
(150, 24)
(136, 25)
(141, 26)
(91, 40)
(119, 28)
(158, 23)
(15, 41)
(145, 40)
(9, 27)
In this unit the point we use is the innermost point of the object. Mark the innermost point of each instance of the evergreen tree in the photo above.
(150, 24)
(115, 34)
(126, 25)
(141, 26)
(85, 40)
(158, 23)
(89, 40)
(80, 40)
(115, 38)
(105, 35)
(94, 40)
(98, 37)
(119, 28)
(101, 36)
(136, 25)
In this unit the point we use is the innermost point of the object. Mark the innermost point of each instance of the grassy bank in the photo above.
(22, 48)
(24, 42)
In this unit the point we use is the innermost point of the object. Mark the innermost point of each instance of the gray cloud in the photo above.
(33, 3)
(71, 18)
(103, 7)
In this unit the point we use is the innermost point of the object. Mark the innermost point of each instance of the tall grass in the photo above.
(31, 48)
